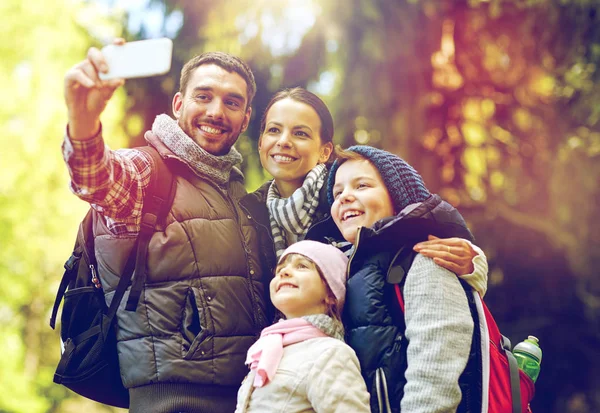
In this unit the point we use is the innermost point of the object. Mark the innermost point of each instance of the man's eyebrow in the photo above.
(237, 96)
(233, 95)
(202, 89)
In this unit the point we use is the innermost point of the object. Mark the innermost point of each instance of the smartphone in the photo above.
(142, 58)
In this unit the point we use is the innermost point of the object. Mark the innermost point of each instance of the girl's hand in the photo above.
(454, 254)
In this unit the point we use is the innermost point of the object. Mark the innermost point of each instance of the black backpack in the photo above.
(89, 364)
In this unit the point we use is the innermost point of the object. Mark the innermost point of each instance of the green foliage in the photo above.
(38, 214)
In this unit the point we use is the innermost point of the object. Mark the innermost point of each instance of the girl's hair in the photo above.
(304, 96)
(333, 309)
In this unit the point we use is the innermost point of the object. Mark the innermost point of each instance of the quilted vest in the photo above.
(204, 299)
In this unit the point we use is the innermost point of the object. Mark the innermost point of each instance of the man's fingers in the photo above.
(119, 41)
(91, 72)
(113, 84)
(76, 77)
(109, 87)
(97, 60)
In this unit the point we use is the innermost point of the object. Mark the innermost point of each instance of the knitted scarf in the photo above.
(294, 214)
(216, 168)
(265, 355)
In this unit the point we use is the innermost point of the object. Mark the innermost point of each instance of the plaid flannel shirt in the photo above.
(113, 182)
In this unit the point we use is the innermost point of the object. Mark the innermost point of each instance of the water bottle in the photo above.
(529, 357)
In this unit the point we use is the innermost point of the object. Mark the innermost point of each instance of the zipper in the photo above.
(256, 313)
(353, 253)
(267, 229)
(383, 399)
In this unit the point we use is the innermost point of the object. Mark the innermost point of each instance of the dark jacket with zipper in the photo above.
(372, 316)
(203, 303)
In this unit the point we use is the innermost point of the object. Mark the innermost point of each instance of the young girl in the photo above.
(417, 358)
(295, 147)
(301, 364)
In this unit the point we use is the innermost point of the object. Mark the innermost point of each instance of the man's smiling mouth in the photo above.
(210, 129)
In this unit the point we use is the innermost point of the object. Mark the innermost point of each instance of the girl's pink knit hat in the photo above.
(331, 261)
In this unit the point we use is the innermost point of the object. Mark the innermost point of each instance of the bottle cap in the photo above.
(530, 346)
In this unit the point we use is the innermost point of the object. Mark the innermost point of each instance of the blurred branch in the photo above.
(555, 235)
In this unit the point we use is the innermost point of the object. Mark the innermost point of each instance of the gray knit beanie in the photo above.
(403, 182)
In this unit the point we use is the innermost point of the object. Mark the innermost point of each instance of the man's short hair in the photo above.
(226, 62)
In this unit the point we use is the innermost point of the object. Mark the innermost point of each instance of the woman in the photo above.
(296, 147)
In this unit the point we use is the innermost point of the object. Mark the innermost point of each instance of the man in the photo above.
(183, 348)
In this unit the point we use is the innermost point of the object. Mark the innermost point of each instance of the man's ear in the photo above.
(247, 117)
(326, 151)
(177, 104)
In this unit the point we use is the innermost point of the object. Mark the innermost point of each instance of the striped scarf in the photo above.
(294, 214)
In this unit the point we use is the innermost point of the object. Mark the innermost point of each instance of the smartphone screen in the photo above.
(138, 59)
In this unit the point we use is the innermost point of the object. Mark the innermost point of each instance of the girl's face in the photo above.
(297, 288)
(291, 145)
(360, 198)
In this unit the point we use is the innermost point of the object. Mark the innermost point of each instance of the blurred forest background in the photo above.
(495, 102)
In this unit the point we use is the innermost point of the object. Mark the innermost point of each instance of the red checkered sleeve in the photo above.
(113, 182)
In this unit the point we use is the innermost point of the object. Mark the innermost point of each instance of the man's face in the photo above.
(360, 198)
(212, 110)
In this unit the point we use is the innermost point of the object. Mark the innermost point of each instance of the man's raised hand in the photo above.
(86, 96)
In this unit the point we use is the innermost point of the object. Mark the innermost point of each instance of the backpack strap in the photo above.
(84, 247)
(396, 275)
(515, 381)
(157, 203)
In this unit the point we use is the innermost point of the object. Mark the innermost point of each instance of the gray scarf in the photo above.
(331, 327)
(215, 168)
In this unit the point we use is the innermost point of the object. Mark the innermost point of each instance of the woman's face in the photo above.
(291, 145)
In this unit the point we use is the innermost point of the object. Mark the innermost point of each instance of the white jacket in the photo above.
(318, 375)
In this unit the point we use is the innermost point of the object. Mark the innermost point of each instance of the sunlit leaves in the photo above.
(475, 134)
(543, 85)
(38, 214)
